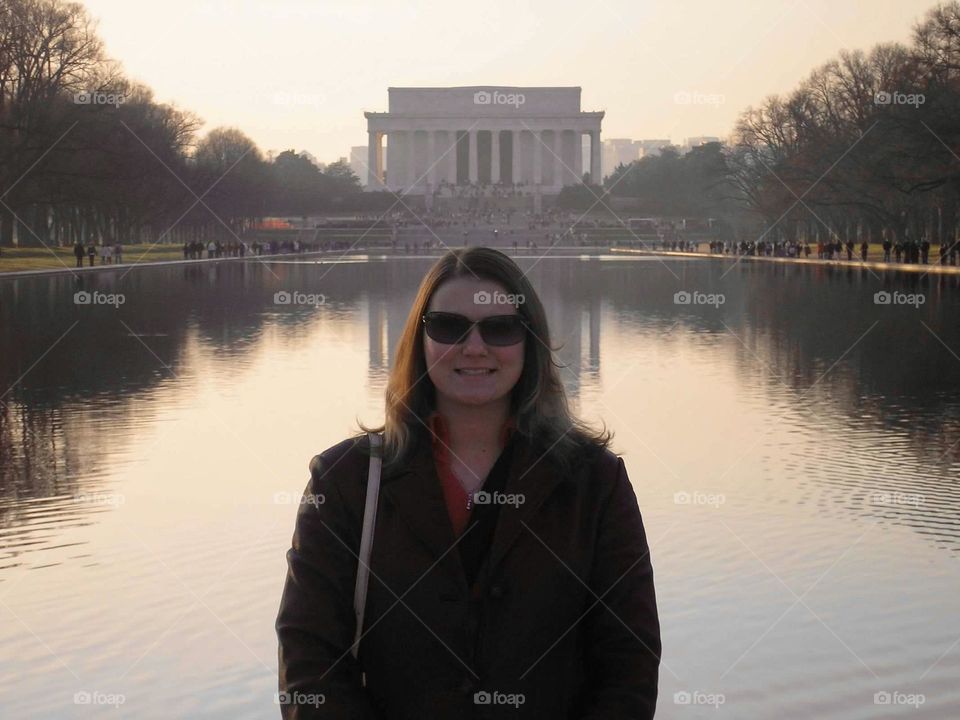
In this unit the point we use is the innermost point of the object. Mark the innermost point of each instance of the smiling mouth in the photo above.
(475, 373)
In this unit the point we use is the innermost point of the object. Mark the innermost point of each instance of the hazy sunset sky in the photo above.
(298, 74)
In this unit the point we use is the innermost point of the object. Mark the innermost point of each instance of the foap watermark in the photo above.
(899, 698)
(482, 297)
(699, 498)
(683, 297)
(688, 97)
(294, 99)
(283, 297)
(110, 499)
(85, 297)
(92, 97)
(898, 298)
(496, 97)
(897, 498)
(698, 697)
(898, 98)
(299, 698)
(286, 498)
(483, 497)
(483, 697)
(96, 697)
(258, 10)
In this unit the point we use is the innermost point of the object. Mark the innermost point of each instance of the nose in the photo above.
(474, 342)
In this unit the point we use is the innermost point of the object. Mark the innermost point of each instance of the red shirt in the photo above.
(453, 492)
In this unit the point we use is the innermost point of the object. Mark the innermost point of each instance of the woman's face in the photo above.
(460, 296)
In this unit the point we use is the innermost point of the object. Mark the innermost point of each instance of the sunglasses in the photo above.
(453, 329)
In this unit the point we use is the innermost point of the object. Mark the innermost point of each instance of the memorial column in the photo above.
(431, 162)
(373, 151)
(578, 155)
(452, 157)
(515, 155)
(537, 157)
(558, 158)
(473, 163)
(411, 160)
(595, 178)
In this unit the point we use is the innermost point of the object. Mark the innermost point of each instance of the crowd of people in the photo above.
(504, 226)
(908, 251)
(214, 249)
(482, 190)
(109, 254)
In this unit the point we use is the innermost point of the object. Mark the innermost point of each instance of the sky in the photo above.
(298, 74)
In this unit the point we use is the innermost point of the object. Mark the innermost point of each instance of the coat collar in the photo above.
(416, 493)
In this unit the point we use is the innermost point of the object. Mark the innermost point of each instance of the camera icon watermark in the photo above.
(96, 697)
(483, 497)
(295, 99)
(482, 297)
(898, 298)
(897, 498)
(682, 297)
(286, 498)
(91, 97)
(104, 498)
(898, 98)
(284, 297)
(299, 698)
(687, 97)
(696, 497)
(698, 697)
(899, 698)
(496, 97)
(483, 697)
(84, 297)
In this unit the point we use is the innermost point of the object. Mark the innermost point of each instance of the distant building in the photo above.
(311, 158)
(358, 162)
(697, 141)
(618, 151)
(323, 166)
(652, 147)
(483, 135)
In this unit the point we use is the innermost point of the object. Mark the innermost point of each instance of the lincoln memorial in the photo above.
(531, 136)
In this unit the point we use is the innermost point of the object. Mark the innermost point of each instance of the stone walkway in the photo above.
(931, 269)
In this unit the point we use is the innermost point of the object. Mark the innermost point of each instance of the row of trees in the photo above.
(867, 145)
(86, 154)
(673, 184)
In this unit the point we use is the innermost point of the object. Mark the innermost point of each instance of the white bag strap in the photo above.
(366, 539)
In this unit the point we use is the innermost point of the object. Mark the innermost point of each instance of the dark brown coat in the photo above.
(563, 612)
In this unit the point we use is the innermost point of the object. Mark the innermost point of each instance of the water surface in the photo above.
(794, 451)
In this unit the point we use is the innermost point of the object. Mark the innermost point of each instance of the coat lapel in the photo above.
(416, 494)
(533, 476)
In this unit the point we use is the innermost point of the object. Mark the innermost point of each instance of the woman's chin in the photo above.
(474, 398)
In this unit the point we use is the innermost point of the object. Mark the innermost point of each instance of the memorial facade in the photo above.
(490, 135)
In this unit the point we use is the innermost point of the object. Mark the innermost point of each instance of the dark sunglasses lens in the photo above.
(502, 331)
(446, 329)
(453, 329)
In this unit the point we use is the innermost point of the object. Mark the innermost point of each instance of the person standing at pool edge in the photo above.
(541, 599)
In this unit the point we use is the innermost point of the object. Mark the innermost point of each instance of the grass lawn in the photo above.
(29, 258)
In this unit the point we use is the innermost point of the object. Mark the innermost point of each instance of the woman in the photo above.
(510, 574)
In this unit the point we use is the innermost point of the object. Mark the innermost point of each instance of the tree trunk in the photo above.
(6, 227)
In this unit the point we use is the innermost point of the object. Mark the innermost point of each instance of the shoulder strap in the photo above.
(366, 539)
